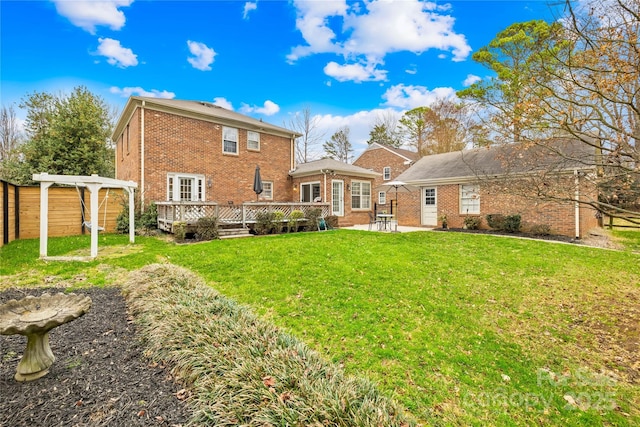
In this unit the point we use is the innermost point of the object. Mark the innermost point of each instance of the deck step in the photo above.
(232, 233)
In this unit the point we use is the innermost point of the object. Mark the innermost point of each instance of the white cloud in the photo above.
(408, 97)
(471, 79)
(223, 102)
(354, 72)
(138, 91)
(202, 55)
(269, 109)
(116, 54)
(371, 30)
(248, 7)
(360, 124)
(88, 14)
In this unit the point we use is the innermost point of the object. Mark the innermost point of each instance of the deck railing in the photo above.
(229, 214)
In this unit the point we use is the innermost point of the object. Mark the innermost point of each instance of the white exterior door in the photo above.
(429, 206)
(337, 198)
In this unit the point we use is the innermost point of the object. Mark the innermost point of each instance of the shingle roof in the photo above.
(316, 166)
(407, 154)
(201, 110)
(561, 154)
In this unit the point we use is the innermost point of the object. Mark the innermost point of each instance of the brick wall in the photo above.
(377, 159)
(560, 216)
(351, 216)
(178, 144)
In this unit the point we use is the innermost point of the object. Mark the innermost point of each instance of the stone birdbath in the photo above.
(34, 317)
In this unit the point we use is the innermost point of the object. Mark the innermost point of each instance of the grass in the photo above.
(243, 370)
(461, 329)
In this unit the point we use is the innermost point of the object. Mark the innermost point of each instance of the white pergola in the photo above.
(93, 183)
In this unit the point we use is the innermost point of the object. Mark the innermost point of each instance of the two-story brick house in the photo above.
(189, 151)
(197, 151)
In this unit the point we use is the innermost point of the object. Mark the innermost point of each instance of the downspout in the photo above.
(142, 156)
(577, 204)
(324, 194)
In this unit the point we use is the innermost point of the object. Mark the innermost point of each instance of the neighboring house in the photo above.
(479, 182)
(348, 188)
(196, 151)
(389, 162)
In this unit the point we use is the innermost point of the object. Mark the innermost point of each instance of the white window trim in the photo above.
(476, 190)
(198, 183)
(361, 208)
(224, 129)
(382, 197)
(257, 134)
(312, 183)
(386, 173)
(266, 184)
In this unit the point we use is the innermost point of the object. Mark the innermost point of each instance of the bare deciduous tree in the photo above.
(10, 134)
(309, 126)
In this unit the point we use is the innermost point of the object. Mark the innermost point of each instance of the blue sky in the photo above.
(348, 61)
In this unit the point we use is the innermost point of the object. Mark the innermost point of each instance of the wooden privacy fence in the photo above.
(20, 211)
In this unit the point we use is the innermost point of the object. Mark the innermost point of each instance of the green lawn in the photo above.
(461, 329)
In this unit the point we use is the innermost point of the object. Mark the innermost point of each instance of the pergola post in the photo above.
(44, 217)
(132, 215)
(94, 183)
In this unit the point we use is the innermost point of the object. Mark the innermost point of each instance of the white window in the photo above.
(309, 191)
(386, 173)
(185, 187)
(253, 141)
(469, 199)
(382, 198)
(229, 140)
(360, 195)
(267, 190)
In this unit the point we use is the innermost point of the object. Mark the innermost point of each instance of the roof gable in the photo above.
(406, 155)
(198, 110)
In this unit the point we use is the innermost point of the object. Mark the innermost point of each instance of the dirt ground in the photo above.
(100, 376)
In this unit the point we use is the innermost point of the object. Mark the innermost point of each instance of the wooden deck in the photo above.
(227, 214)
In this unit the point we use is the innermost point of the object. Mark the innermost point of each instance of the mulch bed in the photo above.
(100, 376)
(551, 237)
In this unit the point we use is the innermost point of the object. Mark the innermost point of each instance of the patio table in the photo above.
(384, 221)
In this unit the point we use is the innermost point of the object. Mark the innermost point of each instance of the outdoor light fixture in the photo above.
(209, 183)
(348, 187)
(295, 187)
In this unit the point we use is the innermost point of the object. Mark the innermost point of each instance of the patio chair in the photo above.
(372, 220)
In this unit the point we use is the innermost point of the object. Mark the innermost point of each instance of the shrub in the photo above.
(312, 219)
(472, 222)
(240, 368)
(207, 228)
(179, 230)
(540, 229)
(264, 222)
(147, 220)
(278, 216)
(512, 223)
(495, 221)
(294, 217)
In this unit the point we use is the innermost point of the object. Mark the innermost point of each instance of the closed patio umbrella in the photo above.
(257, 183)
(399, 187)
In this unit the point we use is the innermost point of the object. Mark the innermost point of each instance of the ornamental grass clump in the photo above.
(242, 370)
